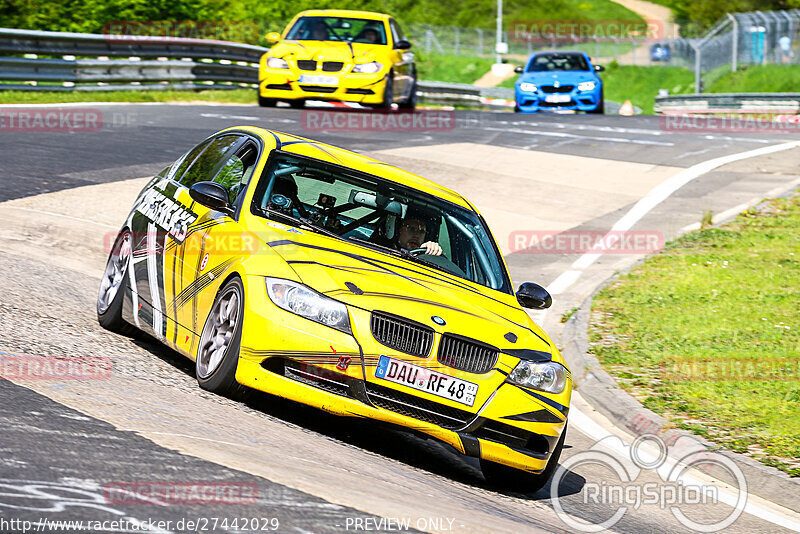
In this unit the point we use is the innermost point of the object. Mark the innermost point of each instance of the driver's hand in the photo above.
(432, 249)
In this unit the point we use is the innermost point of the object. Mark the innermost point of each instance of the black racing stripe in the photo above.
(200, 283)
(539, 416)
(472, 447)
(278, 142)
(550, 402)
(194, 229)
(500, 371)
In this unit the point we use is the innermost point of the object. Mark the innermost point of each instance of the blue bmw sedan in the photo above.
(559, 80)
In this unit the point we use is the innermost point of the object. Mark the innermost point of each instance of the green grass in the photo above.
(728, 295)
(454, 69)
(233, 96)
(640, 85)
(756, 78)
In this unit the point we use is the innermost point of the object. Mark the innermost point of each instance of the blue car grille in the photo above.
(554, 89)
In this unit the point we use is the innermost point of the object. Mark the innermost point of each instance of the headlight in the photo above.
(544, 376)
(277, 63)
(586, 86)
(307, 303)
(368, 68)
(528, 87)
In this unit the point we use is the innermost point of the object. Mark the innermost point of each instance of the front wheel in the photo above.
(600, 109)
(388, 94)
(267, 102)
(411, 102)
(505, 477)
(111, 294)
(218, 353)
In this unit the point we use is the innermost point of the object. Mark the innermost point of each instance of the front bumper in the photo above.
(284, 84)
(537, 101)
(508, 424)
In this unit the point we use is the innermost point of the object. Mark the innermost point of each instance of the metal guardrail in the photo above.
(149, 63)
(709, 103)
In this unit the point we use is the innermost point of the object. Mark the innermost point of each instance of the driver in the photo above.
(319, 31)
(412, 232)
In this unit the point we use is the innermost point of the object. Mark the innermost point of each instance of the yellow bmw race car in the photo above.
(348, 56)
(319, 275)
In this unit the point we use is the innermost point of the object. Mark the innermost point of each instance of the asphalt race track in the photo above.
(64, 444)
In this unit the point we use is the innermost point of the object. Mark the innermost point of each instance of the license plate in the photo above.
(319, 80)
(426, 380)
(557, 99)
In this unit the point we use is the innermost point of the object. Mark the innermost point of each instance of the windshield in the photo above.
(548, 62)
(380, 214)
(338, 29)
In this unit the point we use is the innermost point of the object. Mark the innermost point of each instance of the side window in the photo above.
(397, 33)
(237, 171)
(187, 159)
(209, 162)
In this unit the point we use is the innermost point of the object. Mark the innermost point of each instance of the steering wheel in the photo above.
(418, 251)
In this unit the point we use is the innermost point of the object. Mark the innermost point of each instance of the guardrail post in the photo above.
(480, 41)
(735, 57)
(696, 67)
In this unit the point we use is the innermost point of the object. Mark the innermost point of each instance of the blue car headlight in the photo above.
(550, 377)
(528, 87)
(305, 302)
(587, 86)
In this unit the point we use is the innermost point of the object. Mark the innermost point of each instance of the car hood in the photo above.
(372, 280)
(563, 77)
(326, 51)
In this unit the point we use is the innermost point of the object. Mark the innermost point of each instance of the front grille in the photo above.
(307, 64)
(466, 355)
(402, 334)
(411, 406)
(554, 89)
(318, 88)
(281, 86)
(317, 377)
(332, 66)
(513, 437)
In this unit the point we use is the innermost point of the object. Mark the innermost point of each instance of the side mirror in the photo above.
(402, 45)
(518, 70)
(599, 68)
(211, 195)
(273, 37)
(534, 296)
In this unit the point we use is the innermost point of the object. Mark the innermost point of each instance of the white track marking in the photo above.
(755, 506)
(576, 136)
(152, 276)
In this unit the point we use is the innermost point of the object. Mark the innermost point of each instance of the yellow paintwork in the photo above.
(241, 249)
(292, 51)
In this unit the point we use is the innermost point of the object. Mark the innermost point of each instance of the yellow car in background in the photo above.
(339, 55)
(319, 275)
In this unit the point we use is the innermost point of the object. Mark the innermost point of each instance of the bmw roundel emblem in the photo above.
(438, 320)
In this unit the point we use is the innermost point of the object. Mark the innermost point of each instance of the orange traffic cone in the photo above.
(626, 109)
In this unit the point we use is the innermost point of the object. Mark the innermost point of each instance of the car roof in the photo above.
(344, 13)
(346, 158)
(559, 53)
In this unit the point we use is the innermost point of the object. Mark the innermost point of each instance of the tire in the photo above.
(218, 352)
(112, 287)
(388, 94)
(267, 102)
(502, 476)
(516, 109)
(411, 102)
(297, 104)
(600, 109)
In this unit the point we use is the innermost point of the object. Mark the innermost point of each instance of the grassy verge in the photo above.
(640, 85)
(756, 78)
(233, 96)
(454, 69)
(707, 334)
